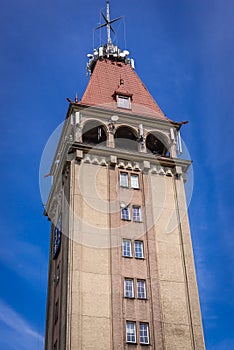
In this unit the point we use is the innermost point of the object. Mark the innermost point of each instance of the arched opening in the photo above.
(126, 139)
(94, 133)
(156, 146)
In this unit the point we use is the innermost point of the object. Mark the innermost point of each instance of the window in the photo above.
(57, 274)
(123, 102)
(125, 213)
(134, 181)
(56, 311)
(127, 247)
(131, 332)
(138, 245)
(141, 289)
(123, 180)
(136, 213)
(128, 288)
(144, 333)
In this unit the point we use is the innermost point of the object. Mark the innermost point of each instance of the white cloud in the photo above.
(16, 332)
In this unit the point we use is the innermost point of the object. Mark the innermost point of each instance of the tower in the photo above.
(121, 270)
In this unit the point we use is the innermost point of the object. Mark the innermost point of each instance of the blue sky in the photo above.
(184, 54)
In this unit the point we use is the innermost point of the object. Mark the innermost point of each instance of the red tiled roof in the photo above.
(105, 81)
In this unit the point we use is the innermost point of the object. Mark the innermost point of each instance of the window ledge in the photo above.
(131, 298)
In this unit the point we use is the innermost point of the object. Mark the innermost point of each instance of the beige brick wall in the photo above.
(177, 280)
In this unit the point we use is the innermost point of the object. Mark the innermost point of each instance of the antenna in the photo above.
(108, 22)
(108, 50)
(108, 19)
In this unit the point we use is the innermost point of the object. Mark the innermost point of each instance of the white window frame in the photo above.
(141, 289)
(125, 248)
(129, 288)
(134, 180)
(123, 179)
(131, 332)
(123, 102)
(144, 333)
(142, 249)
(123, 216)
(136, 213)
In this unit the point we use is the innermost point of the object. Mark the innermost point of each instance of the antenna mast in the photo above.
(108, 50)
(108, 22)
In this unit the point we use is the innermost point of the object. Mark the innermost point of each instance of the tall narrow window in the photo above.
(139, 252)
(134, 181)
(136, 213)
(56, 311)
(144, 333)
(130, 332)
(128, 288)
(125, 213)
(57, 275)
(57, 237)
(127, 247)
(141, 289)
(123, 179)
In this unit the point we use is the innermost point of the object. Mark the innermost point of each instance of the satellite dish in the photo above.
(126, 52)
(114, 118)
(122, 54)
(90, 55)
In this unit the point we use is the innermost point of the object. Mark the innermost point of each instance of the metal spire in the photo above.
(108, 22)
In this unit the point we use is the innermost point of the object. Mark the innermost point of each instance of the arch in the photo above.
(125, 138)
(156, 143)
(94, 132)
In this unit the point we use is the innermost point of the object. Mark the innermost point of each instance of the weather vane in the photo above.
(108, 22)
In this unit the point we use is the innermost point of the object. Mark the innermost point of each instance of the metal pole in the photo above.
(108, 24)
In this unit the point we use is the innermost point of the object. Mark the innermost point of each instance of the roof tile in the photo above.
(106, 80)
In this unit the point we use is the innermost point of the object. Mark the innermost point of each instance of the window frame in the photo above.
(128, 323)
(123, 216)
(132, 182)
(126, 290)
(123, 246)
(138, 217)
(138, 293)
(126, 104)
(121, 184)
(142, 249)
(144, 336)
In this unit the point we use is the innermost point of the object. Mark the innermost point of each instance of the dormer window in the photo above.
(123, 102)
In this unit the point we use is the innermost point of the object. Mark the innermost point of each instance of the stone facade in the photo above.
(87, 306)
